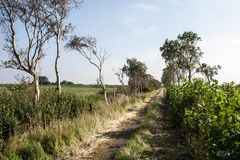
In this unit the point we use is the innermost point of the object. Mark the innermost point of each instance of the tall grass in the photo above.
(137, 146)
(19, 113)
(58, 121)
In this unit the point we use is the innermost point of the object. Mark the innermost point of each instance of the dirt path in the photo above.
(159, 138)
(103, 145)
(167, 142)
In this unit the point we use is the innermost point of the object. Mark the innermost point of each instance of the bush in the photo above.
(50, 144)
(12, 155)
(32, 151)
(52, 123)
(210, 116)
(43, 80)
(18, 112)
(64, 82)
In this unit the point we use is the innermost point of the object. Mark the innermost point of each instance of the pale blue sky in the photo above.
(137, 28)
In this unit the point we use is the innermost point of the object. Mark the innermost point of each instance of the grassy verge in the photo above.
(48, 143)
(156, 138)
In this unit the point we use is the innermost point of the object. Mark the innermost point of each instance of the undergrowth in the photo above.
(63, 128)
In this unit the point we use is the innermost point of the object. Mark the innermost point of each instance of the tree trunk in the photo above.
(36, 87)
(174, 79)
(140, 88)
(58, 87)
(209, 81)
(103, 86)
(104, 91)
(189, 75)
(178, 77)
(178, 80)
(105, 95)
(123, 87)
(114, 93)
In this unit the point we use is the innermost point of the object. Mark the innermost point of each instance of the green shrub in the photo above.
(18, 112)
(50, 144)
(68, 137)
(12, 155)
(210, 114)
(32, 151)
(53, 114)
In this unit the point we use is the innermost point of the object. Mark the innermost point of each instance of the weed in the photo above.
(32, 151)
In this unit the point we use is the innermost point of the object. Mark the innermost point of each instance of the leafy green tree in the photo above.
(168, 76)
(190, 53)
(150, 83)
(64, 82)
(171, 53)
(137, 73)
(208, 71)
(43, 80)
(182, 55)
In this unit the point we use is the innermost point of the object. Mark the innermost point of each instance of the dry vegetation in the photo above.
(156, 138)
(48, 142)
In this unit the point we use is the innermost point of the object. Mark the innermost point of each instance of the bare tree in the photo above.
(120, 76)
(24, 15)
(87, 47)
(59, 10)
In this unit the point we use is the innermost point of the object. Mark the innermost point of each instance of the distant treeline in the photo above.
(64, 82)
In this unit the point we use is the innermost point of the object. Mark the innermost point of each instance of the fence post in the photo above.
(90, 108)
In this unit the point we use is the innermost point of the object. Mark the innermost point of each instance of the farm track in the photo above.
(166, 141)
(103, 145)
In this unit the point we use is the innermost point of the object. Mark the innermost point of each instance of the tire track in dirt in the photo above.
(104, 145)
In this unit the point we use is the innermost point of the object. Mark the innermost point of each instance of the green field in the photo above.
(80, 89)
(76, 89)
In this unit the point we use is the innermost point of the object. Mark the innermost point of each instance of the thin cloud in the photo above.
(129, 21)
(175, 2)
(145, 31)
(221, 45)
(145, 7)
(132, 18)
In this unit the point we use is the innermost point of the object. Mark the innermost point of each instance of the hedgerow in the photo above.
(210, 116)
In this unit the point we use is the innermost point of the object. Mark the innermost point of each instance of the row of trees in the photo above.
(182, 57)
(138, 79)
(43, 80)
(39, 22)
